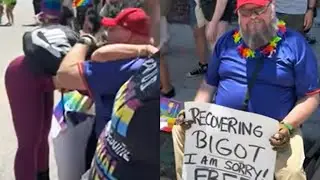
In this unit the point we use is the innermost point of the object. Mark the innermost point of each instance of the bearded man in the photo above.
(265, 68)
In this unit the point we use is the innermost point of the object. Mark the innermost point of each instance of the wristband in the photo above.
(85, 41)
(288, 126)
(90, 41)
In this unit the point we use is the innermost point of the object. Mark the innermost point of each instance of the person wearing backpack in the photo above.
(249, 71)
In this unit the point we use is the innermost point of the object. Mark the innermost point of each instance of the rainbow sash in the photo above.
(71, 102)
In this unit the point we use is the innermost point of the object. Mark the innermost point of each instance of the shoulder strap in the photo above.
(252, 81)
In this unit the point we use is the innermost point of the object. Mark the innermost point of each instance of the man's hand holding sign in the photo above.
(281, 139)
(223, 143)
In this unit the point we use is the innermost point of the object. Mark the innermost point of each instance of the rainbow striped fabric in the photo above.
(124, 108)
(104, 163)
(71, 101)
(81, 3)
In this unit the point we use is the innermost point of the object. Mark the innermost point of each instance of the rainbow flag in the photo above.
(81, 3)
(169, 110)
(71, 102)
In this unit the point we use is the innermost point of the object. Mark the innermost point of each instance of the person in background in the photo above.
(68, 15)
(112, 7)
(311, 40)
(37, 9)
(36, 6)
(249, 67)
(298, 14)
(81, 7)
(209, 20)
(167, 89)
(10, 5)
(165, 6)
(1, 10)
(156, 9)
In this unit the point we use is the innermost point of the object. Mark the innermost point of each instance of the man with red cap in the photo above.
(264, 68)
(103, 78)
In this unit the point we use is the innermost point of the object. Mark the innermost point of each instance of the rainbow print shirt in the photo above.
(117, 148)
(81, 3)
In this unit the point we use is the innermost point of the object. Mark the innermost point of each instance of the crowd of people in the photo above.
(114, 52)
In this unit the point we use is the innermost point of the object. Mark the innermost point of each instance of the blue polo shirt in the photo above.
(287, 76)
(103, 81)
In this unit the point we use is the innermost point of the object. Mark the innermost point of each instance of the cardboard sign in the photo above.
(228, 144)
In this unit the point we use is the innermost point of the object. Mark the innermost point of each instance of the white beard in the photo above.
(259, 38)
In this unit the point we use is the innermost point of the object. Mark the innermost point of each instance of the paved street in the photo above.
(181, 60)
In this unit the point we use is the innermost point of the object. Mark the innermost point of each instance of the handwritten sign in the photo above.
(227, 144)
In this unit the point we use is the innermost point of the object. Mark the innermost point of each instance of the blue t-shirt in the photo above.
(103, 81)
(287, 76)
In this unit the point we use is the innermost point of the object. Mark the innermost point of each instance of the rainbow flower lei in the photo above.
(268, 50)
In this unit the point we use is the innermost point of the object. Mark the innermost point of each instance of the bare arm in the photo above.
(219, 10)
(68, 75)
(205, 92)
(303, 110)
(121, 51)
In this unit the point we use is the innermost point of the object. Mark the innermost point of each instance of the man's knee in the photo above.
(291, 173)
(289, 164)
(296, 172)
(178, 135)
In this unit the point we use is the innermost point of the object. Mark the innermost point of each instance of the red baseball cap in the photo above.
(256, 2)
(133, 19)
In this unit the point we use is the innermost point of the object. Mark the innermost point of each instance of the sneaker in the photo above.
(200, 70)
